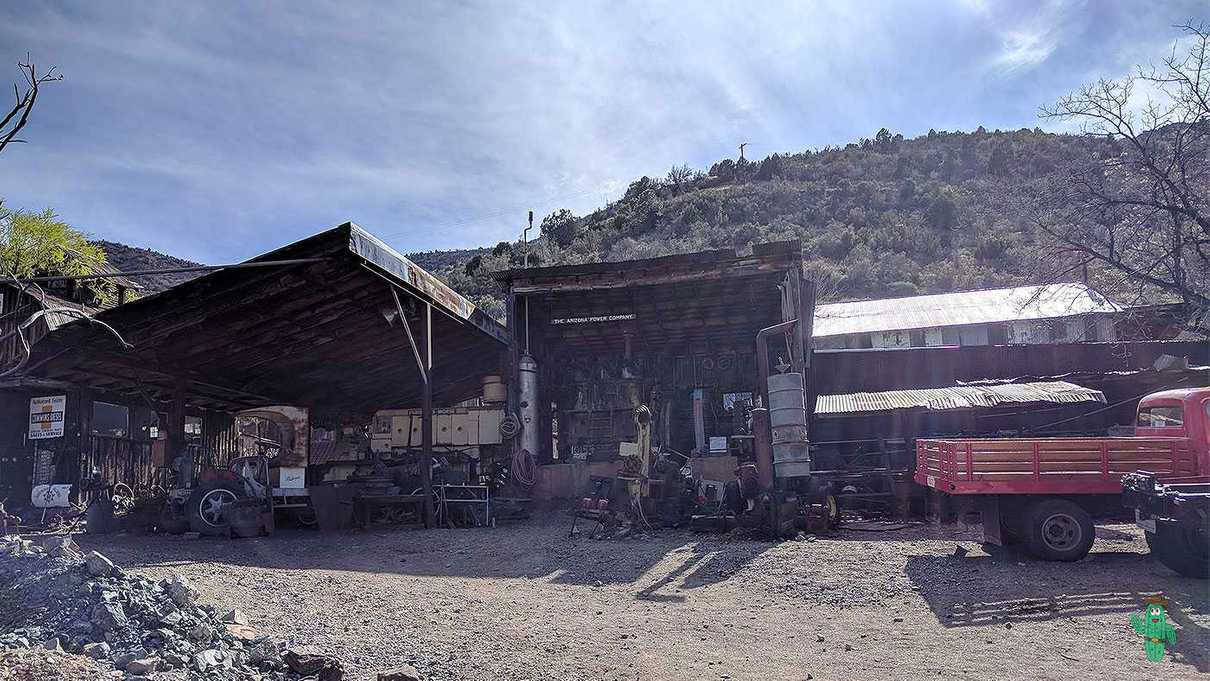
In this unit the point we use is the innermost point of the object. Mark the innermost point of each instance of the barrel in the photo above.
(493, 389)
(788, 418)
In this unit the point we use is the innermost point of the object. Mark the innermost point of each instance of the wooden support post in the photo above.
(426, 419)
(176, 421)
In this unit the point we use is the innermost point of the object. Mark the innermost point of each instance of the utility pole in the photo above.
(741, 151)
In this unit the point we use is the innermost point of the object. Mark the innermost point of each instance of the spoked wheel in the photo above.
(208, 504)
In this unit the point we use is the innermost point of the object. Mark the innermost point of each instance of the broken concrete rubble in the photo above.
(98, 565)
(86, 606)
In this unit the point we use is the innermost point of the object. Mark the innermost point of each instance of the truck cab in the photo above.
(1183, 413)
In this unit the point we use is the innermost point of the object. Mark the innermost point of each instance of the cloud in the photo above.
(219, 132)
(1023, 49)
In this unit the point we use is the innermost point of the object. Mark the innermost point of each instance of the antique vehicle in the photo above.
(1045, 492)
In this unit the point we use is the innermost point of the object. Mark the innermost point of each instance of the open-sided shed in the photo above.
(312, 331)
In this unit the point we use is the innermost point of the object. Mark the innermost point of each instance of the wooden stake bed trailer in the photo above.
(1044, 491)
(1046, 466)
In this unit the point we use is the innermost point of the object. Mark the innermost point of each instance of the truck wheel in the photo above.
(1058, 529)
(1184, 548)
(207, 507)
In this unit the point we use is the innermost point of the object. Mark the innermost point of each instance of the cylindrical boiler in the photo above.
(528, 384)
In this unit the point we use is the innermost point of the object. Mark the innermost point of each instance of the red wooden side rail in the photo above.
(1047, 465)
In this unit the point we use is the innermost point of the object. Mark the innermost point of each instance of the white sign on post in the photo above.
(46, 416)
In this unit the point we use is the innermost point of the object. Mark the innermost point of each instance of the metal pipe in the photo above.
(525, 264)
(424, 374)
(762, 354)
(170, 270)
(762, 447)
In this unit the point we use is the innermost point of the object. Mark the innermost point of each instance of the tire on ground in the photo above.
(1058, 529)
(203, 507)
(1184, 548)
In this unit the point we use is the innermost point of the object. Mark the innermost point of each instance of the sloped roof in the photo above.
(958, 397)
(1049, 301)
(311, 332)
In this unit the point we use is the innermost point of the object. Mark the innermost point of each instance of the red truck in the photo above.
(1045, 491)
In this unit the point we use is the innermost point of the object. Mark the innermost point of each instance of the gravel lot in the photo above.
(527, 602)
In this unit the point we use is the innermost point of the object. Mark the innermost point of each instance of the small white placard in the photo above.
(46, 416)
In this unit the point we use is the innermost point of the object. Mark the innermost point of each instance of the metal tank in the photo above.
(529, 404)
(494, 390)
(788, 418)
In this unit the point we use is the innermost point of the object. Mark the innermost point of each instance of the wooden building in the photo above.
(676, 334)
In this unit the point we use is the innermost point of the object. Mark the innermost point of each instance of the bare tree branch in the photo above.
(1141, 215)
(18, 116)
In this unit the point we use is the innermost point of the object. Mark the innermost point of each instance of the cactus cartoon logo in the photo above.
(1152, 623)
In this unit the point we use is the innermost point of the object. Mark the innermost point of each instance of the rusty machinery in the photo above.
(776, 492)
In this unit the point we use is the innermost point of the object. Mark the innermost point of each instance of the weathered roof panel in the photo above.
(957, 309)
(958, 397)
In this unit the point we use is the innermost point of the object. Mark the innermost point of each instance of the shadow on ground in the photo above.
(980, 590)
(523, 552)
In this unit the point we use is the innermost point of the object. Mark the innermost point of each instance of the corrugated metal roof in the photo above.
(958, 397)
(956, 309)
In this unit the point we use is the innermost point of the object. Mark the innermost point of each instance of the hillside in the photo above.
(128, 258)
(882, 217)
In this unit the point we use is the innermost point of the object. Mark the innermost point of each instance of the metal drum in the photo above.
(529, 404)
(494, 390)
(788, 418)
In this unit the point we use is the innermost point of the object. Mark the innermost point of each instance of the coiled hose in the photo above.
(524, 469)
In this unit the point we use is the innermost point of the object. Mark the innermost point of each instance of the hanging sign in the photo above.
(594, 320)
(46, 416)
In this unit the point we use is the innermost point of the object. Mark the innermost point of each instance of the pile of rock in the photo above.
(53, 596)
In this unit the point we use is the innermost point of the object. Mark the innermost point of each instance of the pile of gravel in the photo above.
(53, 597)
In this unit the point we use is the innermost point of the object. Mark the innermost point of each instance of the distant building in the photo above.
(84, 296)
(1054, 313)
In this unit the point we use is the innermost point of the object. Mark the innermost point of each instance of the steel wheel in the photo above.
(1061, 532)
(210, 508)
(1059, 529)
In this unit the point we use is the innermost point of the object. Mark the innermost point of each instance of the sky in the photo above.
(218, 131)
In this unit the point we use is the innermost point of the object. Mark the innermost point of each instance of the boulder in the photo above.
(108, 616)
(201, 633)
(263, 650)
(402, 673)
(130, 656)
(97, 651)
(234, 616)
(98, 565)
(182, 591)
(212, 659)
(144, 665)
(323, 667)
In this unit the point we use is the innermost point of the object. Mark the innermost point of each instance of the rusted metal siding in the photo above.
(958, 397)
(958, 309)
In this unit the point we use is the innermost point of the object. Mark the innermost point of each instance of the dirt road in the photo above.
(527, 602)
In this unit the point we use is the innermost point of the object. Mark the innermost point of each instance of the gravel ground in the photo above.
(527, 602)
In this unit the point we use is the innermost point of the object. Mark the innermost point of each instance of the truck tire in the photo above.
(205, 507)
(1057, 529)
(1184, 548)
